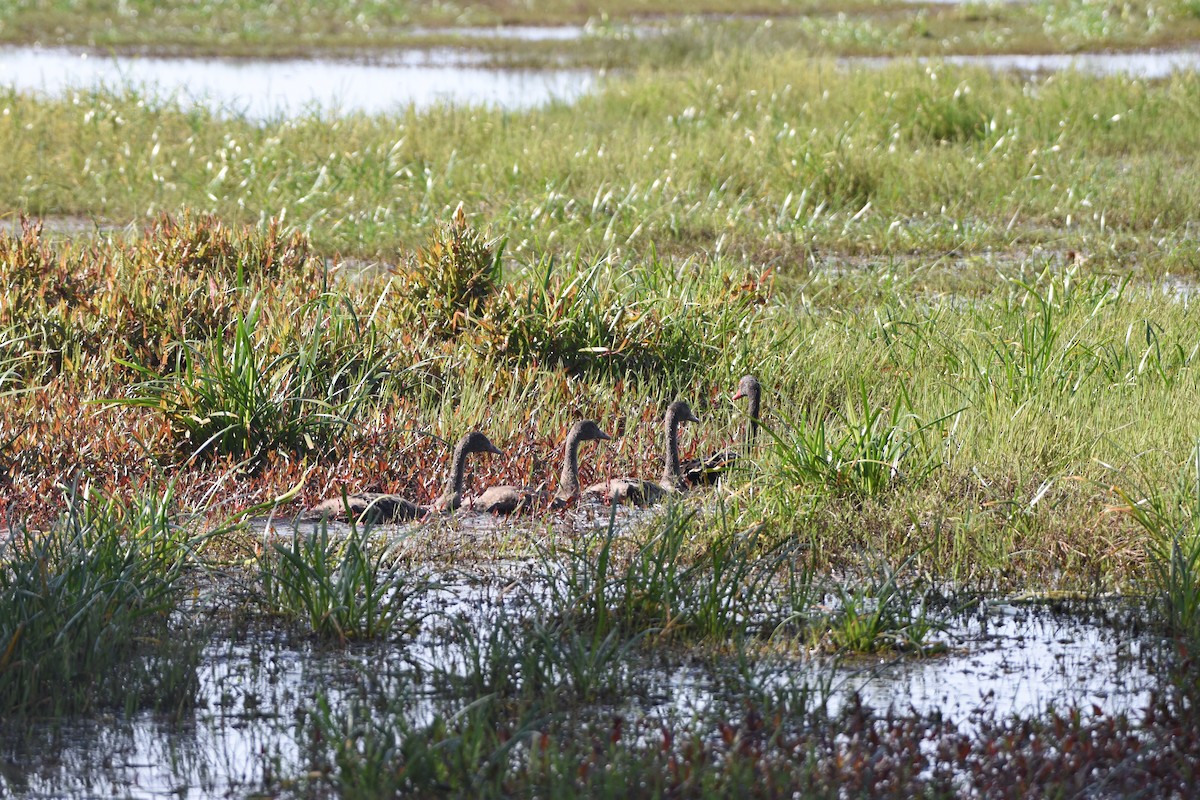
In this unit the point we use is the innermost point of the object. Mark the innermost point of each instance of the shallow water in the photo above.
(1149, 65)
(259, 691)
(1139, 65)
(525, 33)
(283, 88)
(271, 89)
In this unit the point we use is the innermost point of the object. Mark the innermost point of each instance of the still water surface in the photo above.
(281, 88)
(269, 89)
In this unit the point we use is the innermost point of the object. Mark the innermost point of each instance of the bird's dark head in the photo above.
(679, 411)
(476, 442)
(587, 430)
(748, 386)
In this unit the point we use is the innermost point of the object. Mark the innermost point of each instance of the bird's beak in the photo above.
(739, 394)
(604, 436)
(496, 451)
(692, 418)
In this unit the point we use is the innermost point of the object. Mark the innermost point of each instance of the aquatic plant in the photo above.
(86, 609)
(340, 589)
(778, 743)
(537, 657)
(1172, 518)
(882, 612)
(675, 584)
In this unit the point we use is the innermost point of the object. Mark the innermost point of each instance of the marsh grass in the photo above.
(673, 584)
(1171, 517)
(340, 589)
(882, 612)
(647, 320)
(860, 451)
(996, 382)
(87, 610)
(467, 749)
(241, 399)
(12, 354)
(771, 154)
(617, 34)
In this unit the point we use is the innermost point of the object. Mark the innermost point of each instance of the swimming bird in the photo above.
(378, 507)
(705, 471)
(510, 499)
(645, 492)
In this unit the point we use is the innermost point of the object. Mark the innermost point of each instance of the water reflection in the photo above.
(259, 691)
(267, 89)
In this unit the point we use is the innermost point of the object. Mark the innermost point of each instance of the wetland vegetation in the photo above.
(967, 294)
(608, 34)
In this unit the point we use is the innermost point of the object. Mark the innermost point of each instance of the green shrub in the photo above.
(452, 278)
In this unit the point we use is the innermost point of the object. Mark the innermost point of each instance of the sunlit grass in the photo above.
(613, 33)
(770, 159)
(764, 214)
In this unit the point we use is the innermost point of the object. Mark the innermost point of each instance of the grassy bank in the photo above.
(784, 161)
(964, 279)
(664, 35)
(993, 433)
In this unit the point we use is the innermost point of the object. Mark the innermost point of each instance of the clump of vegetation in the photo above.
(594, 321)
(341, 589)
(81, 305)
(1171, 517)
(864, 449)
(34, 273)
(86, 610)
(880, 612)
(673, 584)
(449, 282)
(945, 118)
(241, 399)
(203, 246)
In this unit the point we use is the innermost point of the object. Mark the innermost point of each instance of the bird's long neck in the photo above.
(752, 423)
(568, 479)
(671, 461)
(452, 497)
